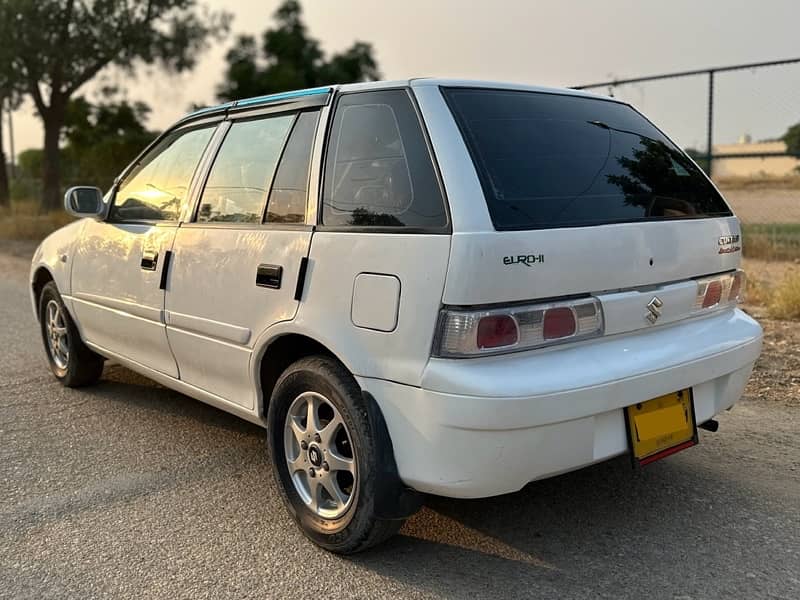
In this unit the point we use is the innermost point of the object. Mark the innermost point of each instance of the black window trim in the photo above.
(594, 223)
(204, 179)
(253, 114)
(265, 210)
(203, 166)
(446, 229)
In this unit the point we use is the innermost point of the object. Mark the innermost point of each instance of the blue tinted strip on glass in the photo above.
(282, 96)
(260, 100)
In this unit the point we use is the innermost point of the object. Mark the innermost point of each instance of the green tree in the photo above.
(792, 139)
(10, 96)
(289, 59)
(102, 139)
(57, 46)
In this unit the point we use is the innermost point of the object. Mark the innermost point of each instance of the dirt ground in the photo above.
(776, 377)
(764, 205)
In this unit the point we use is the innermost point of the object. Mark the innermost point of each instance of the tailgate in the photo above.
(512, 266)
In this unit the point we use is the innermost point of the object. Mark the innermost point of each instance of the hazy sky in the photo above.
(560, 43)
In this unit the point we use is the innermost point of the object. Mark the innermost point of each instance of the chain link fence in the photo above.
(741, 123)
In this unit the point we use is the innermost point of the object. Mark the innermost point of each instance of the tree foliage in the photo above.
(288, 59)
(100, 140)
(11, 89)
(57, 46)
(792, 139)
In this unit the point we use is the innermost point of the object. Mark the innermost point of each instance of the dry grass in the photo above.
(785, 182)
(22, 221)
(773, 288)
(777, 242)
(785, 300)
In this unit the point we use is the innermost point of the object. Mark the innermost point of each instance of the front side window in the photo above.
(553, 160)
(156, 188)
(236, 188)
(378, 169)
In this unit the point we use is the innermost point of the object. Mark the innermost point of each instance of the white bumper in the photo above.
(483, 427)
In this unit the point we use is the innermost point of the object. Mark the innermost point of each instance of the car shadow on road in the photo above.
(589, 533)
(121, 385)
(676, 528)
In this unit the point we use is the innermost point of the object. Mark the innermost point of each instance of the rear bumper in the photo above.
(485, 427)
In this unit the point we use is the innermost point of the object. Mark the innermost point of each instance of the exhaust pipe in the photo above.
(710, 425)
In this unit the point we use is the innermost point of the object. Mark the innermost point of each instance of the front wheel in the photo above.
(324, 455)
(72, 363)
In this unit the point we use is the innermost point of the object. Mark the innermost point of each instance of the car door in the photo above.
(116, 275)
(235, 265)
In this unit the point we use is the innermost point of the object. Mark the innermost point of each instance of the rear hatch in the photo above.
(586, 196)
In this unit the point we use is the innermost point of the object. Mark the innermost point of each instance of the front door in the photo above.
(116, 276)
(235, 265)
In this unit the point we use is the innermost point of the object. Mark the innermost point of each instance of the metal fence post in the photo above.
(710, 136)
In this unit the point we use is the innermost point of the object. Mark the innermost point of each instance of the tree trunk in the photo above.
(5, 196)
(53, 123)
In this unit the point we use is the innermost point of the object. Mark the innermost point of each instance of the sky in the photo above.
(557, 43)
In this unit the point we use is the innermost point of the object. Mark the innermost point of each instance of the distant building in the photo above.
(775, 166)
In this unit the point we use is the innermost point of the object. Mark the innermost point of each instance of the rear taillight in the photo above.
(464, 333)
(719, 290)
(559, 322)
(496, 331)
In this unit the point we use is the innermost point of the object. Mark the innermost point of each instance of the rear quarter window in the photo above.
(551, 160)
(378, 169)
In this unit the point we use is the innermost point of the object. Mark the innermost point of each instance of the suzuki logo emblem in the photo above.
(654, 310)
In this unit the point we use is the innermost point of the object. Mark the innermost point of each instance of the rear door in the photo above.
(567, 194)
(118, 263)
(236, 263)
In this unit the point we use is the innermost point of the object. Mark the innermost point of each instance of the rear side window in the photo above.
(236, 188)
(549, 160)
(287, 200)
(378, 170)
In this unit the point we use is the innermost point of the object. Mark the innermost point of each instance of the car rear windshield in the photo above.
(556, 160)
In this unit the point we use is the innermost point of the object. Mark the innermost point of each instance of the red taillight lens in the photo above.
(497, 330)
(558, 323)
(713, 294)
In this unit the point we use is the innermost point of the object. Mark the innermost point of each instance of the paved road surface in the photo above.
(128, 490)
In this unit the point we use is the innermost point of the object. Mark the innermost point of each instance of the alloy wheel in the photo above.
(320, 456)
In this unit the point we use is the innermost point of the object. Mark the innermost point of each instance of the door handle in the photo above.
(149, 260)
(269, 276)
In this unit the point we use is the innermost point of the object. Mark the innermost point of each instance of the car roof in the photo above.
(387, 84)
(471, 83)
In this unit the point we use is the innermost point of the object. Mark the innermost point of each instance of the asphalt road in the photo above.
(129, 490)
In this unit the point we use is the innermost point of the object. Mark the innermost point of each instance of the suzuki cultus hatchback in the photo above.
(423, 286)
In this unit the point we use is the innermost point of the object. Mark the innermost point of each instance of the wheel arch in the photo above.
(40, 278)
(393, 499)
(275, 354)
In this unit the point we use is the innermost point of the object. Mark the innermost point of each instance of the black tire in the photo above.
(82, 366)
(358, 528)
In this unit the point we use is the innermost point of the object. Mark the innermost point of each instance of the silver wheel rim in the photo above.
(320, 455)
(57, 339)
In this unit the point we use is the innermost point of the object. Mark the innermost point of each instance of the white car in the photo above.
(424, 286)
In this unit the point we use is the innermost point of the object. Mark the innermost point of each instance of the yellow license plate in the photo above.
(661, 426)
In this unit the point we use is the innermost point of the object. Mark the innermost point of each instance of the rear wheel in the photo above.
(324, 456)
(72, 363)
